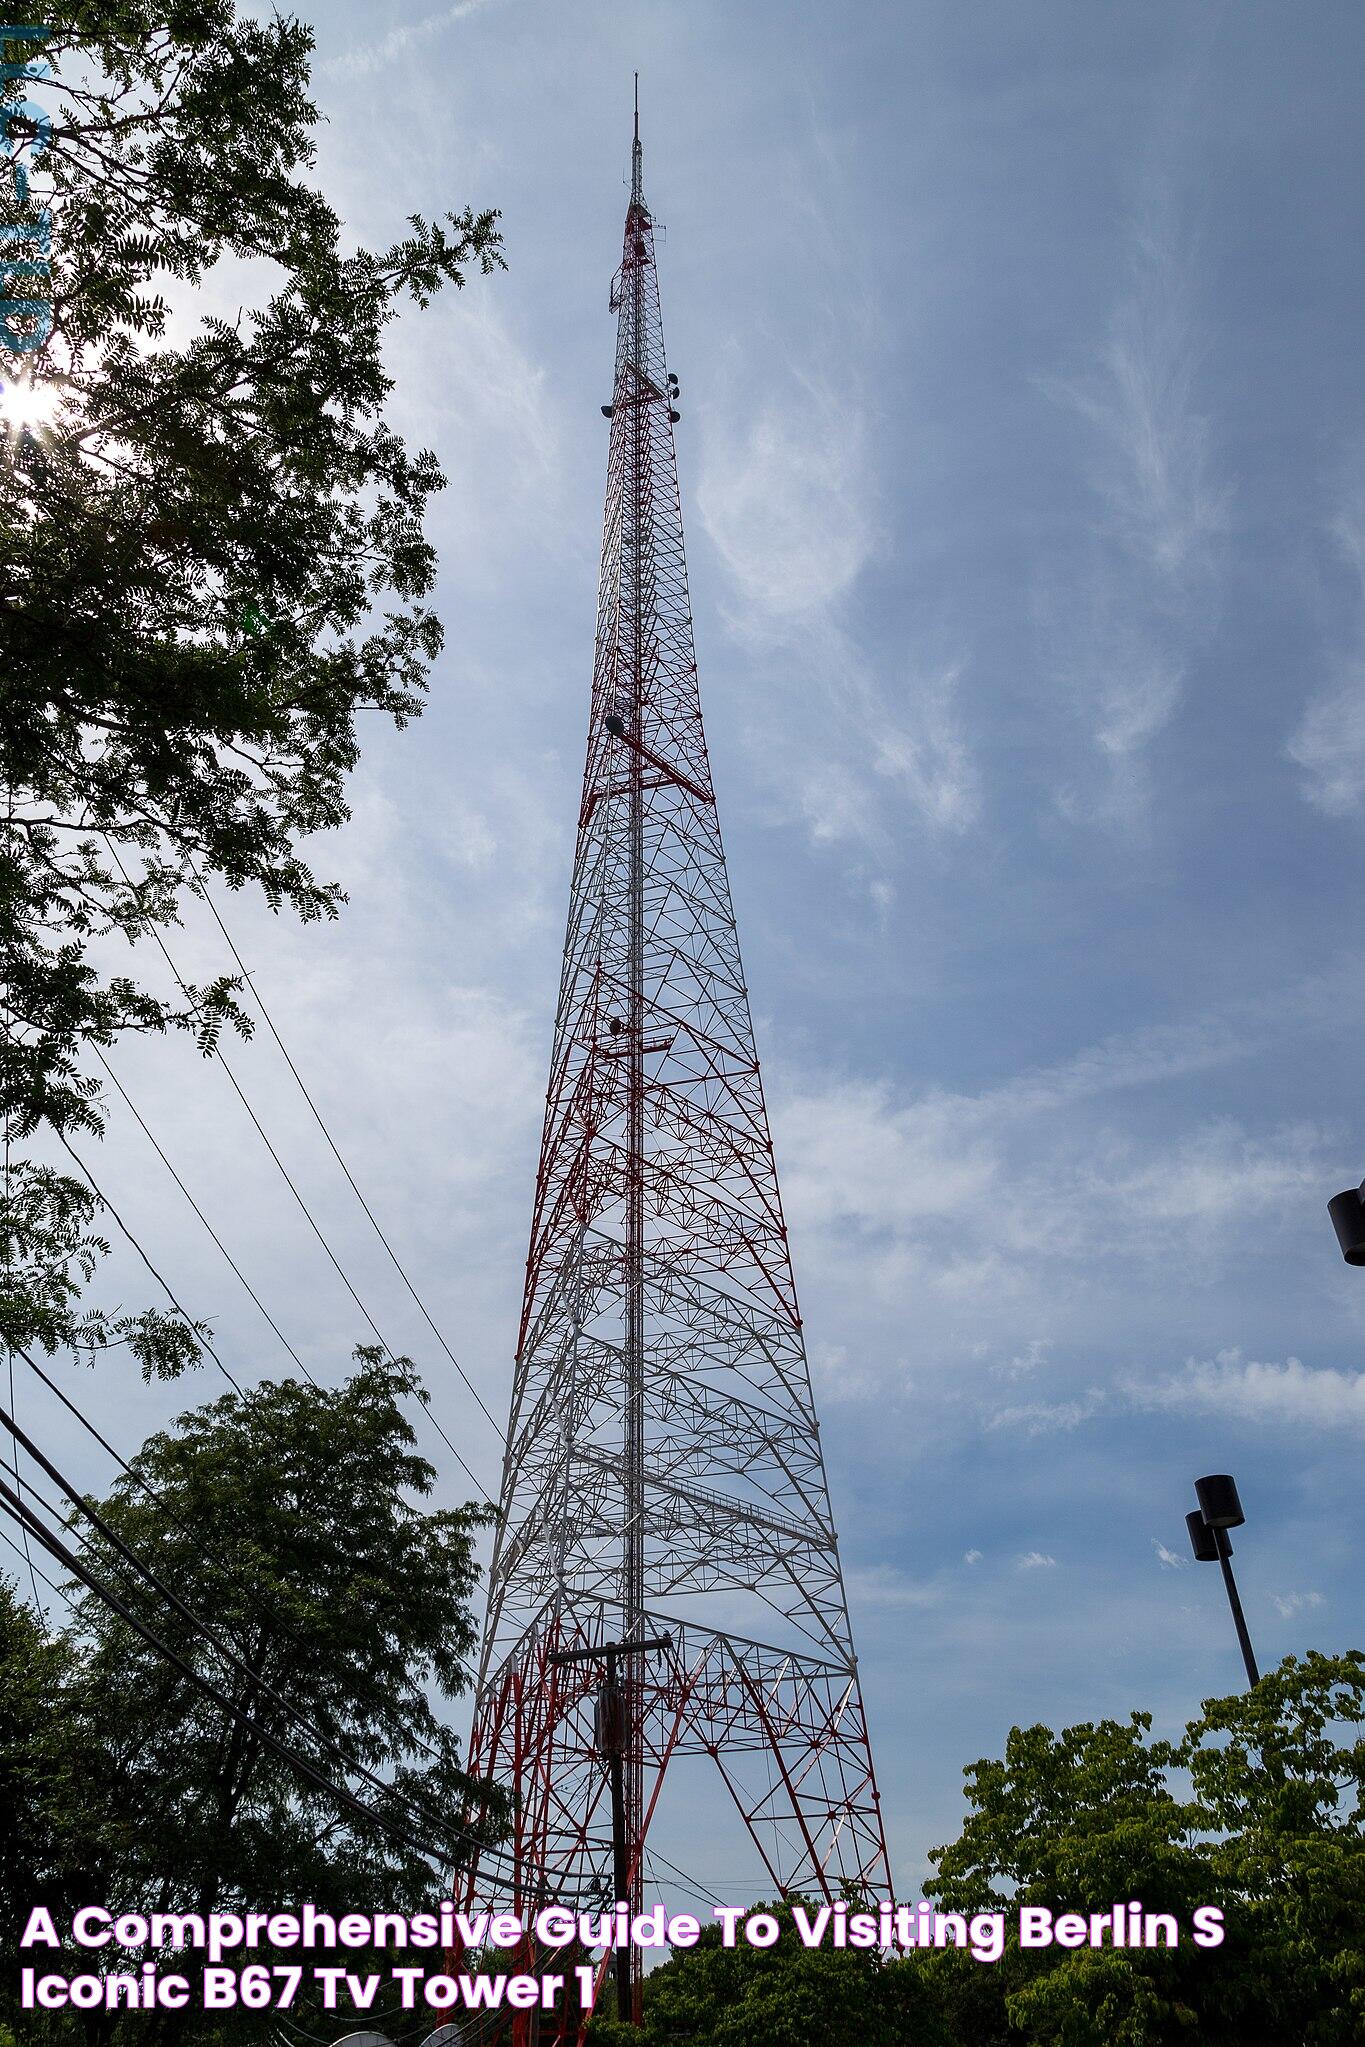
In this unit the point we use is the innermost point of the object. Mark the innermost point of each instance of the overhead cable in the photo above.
(143, 1570)
(308, 1215)
(350, 1177)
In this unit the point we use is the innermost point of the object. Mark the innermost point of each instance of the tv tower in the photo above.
(666, 1580)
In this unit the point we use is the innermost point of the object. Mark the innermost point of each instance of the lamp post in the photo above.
(1347, 1211)
(1220, 1509)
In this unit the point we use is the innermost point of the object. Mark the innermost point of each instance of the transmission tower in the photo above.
(663, 1474)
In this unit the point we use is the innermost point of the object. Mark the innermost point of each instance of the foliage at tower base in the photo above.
(292, 1520)
(1259, 1811)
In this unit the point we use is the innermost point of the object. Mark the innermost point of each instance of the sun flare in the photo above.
(26, 406)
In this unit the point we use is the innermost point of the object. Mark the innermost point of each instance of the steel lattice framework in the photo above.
(663, 1469)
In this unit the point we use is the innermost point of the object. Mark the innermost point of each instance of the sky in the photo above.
(1023, 472)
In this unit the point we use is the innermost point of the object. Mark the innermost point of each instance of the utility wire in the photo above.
(303, 1205)
(50, 1583)
(8, 1230)
(17, 1479)
(164, 1284)
(350, 1177)
(694, 1884)
(251, 1291)
(140, 1566)
(11, 1504)
(159, 1499)
(142, 1253)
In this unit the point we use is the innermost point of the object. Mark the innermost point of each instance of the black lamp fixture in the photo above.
(1347, 1211)
(1220, 1509)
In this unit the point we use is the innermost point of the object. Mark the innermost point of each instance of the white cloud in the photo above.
(1047, 1417)
(1248, 1391)
(788, 499)
(1126, 621)
(785, 503)
(1290, 1603)
(972, 1556)
(471, 384)
(1026, 1362)
(1035, 1560)
(882, 1585)
(855, 1154)
(1169, 1559)
(371, 57)
(1329, 743)
(926, 754)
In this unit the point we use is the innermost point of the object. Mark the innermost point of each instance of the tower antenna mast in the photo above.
(666, 1582)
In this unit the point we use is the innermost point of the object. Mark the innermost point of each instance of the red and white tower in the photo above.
(663, 1474)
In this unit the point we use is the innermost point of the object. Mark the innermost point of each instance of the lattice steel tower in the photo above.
(663, 1471)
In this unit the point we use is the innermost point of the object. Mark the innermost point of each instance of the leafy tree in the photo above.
(212, 556)
(1284, 1798)
(787, 1995)
(1257, 1811)
(1274, 1835)
(292, 1518)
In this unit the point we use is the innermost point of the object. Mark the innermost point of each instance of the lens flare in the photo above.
(27, 407)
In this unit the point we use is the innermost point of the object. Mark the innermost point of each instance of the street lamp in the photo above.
(1348, 1220)
(1220, 1509)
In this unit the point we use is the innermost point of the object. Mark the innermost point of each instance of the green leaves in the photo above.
(214, 558)
(1258, 1811)
(787, 1995)
(296, 1521)
(50, 1254)
(193, 553)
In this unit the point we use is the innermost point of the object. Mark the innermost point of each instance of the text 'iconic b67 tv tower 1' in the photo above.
(666, 1581)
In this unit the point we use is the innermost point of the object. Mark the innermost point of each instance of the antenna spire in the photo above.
(664, 1482)
(637, 197)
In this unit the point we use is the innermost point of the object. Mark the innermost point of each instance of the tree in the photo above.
(1274, 1835)
(1258, 1811)
(787, 1995)
(212, 555)
(1283, 1797)
(292, 1519)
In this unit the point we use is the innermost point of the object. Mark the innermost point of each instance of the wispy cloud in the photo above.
(881, 1585)
(972, 1556)
(371, 57)
(1246, 1390)
(788, 498)
(1168, 1559)
(896, 1196)
(1026, 1362)
(483, 396)
(1048, 1417)
(1125, 624)
(1035, 1560)
(785, 504)
(1289, 1603)
(1329, 742)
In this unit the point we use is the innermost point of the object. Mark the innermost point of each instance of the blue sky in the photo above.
(1023, 465)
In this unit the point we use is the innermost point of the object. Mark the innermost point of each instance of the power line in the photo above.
(159, 1499)
(312, 1222)
(236, 1268)
(24, 1554)
(17, 1480)
(350, 1177)
(164, 1284)
(697, 1888)
(140, 1566)
(11, 1504)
